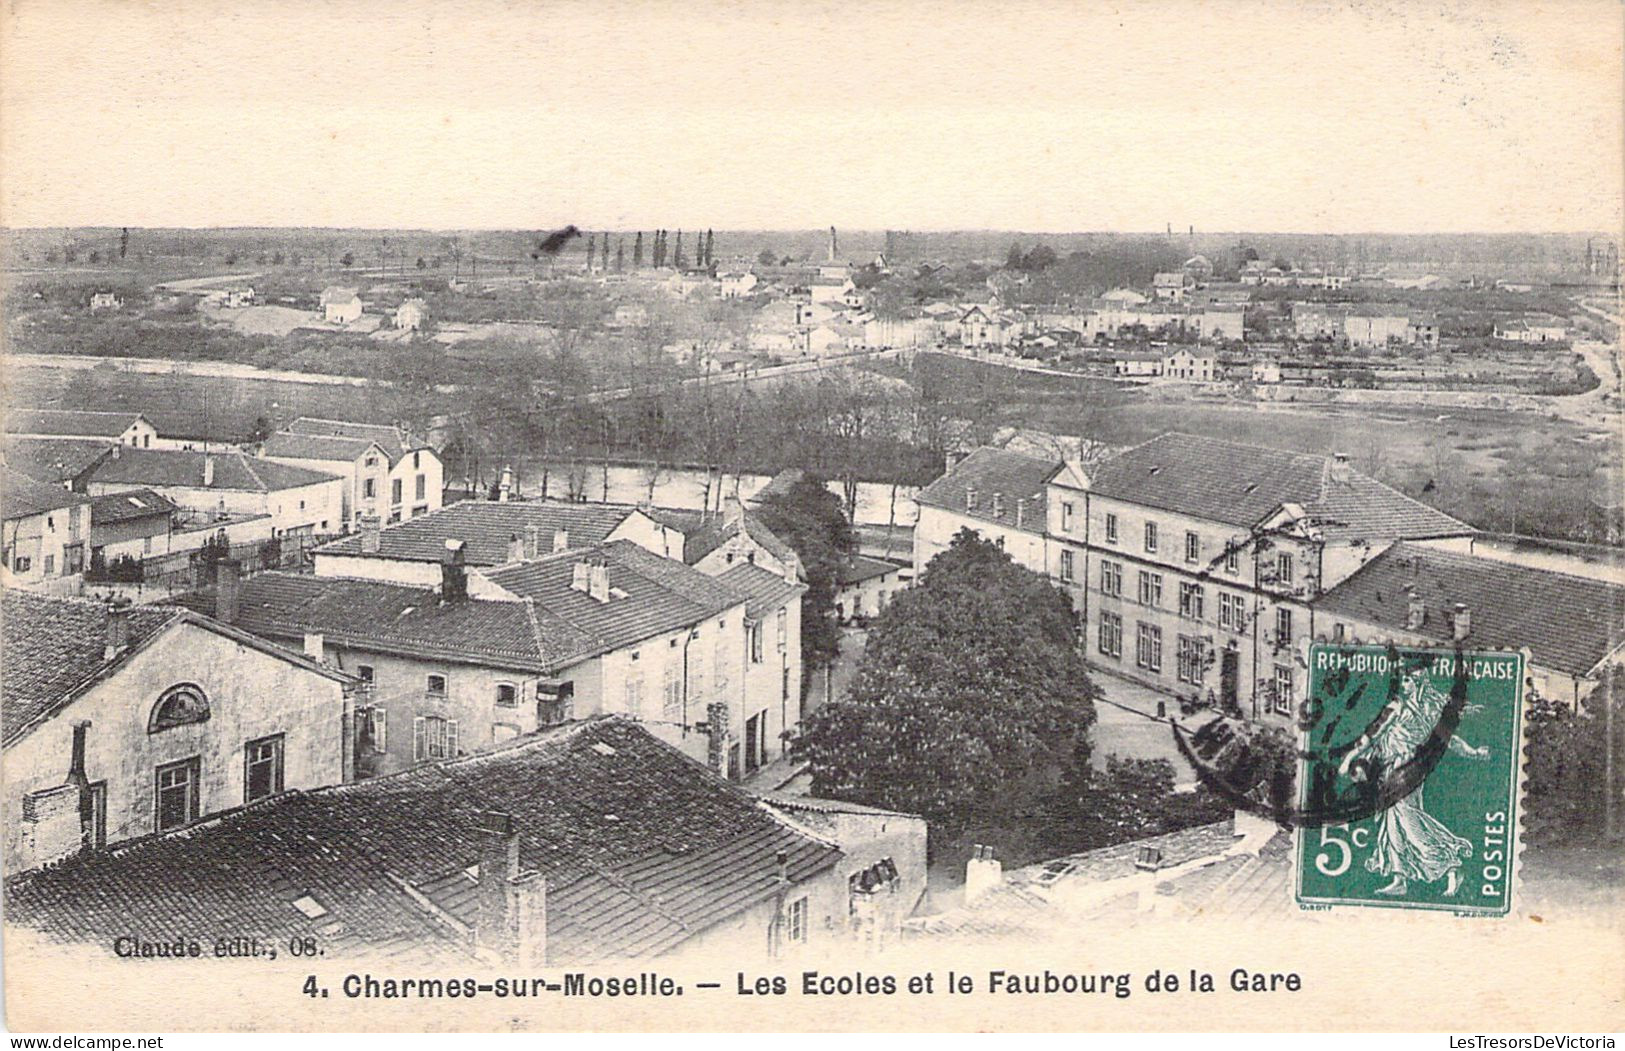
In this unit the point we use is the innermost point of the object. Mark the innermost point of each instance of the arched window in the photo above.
(179, 706)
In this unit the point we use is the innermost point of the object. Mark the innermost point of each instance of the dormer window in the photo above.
(180, 705)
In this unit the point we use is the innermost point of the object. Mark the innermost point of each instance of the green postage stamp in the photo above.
(1408, 787)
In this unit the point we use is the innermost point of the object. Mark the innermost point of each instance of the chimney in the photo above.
(228, 590)
(118, 630)
(533, 541)
(580, 576)
(598, 580)
(371, 534)
(998, 505)
(982, 873)
(1021, 513)
(970, 498)
(453, 574)
(516, 548)
(1416, 611)
(505, 485)
(315, 646)
(1341, 471)
(208, 470)
(1462, 622)
(781, 868)
(716, 736)
(76, 759)
(511, 917)
(561, 540)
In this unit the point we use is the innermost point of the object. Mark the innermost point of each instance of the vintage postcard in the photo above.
(792, 517)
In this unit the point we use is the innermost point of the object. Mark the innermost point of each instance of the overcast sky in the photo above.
(928, 115)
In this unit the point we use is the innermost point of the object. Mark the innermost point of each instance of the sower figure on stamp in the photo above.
(1411, 844)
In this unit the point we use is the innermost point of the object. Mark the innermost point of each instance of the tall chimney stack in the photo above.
(533, 541)
(228, 590)
(516, 548)
(1462, 623)
(505, 485)
(580, 576)
(453, 574)
(561, 540)
(1416, 611)
(511, 915)
(598, 580)
(118, 630)
(371, 534)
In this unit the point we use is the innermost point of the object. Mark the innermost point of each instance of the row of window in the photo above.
(73, 561)
(1283, 569)
(177, 788)
(1191, 658)
(420, 489)
(1192, 600)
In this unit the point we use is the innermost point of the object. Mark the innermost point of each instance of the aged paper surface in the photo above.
(793, 517)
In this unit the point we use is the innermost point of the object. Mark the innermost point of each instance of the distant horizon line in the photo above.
(820, 229)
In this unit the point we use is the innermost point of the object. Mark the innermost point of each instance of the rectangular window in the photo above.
(369, 487)
(1068, 571)
(673, 690)
(1232, 612)
(1191, 600)
(1283, 568)
(98, 814)
(1067, 511)
(436, 687)
(756, 642)
(1232, 560)
(380, 731)
(364, 672)
(1111, 578)
(696, 672)
(634, 696)
(719, 661)
(176, 792)
(1193, 547)
(1190, 660)
(1150, 588)
(795, 921)
(22, 564)
(1151, 536)
(1148, 647)
(1281, 690)
(1111, 634)
(262, 768)
(1111, 528)
(50, 565)
(434, 738)
(421, 490)
(1283, 626)
(507, 695)
(395, 491)
(784, 630)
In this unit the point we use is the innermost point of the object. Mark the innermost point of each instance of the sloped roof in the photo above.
(400, 618)
(704, 532)
(184, 467)
(1243, 484)
(389, 438)
(486, 527)
(329, 447)
(650, 595)
(53, 650)
(988, 471)
(127, 506)
(858, 569)
(641, 849)
(53, 459)
(21, 496)
(70, 422)
(766, 590)
(1569, 623)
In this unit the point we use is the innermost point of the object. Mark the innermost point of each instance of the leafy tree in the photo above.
(677, 253)
(1567, 760)
(766, 257)
(1131, 799)
(809, 518)
(1013, 258)
(421, 263)
(637, 251)
(620, 255)
(347, 259)
(970, 682)
(1041, 257)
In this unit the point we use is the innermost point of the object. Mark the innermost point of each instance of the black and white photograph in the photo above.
(799, 517)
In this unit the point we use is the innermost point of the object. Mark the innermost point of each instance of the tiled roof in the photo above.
(1569, 623)
(989, 471)
(125, 506)
(859, 569)
(640, 847)
(1242, 484)
(703, 533)
(177, 467)
(70, 422)
(486, 527)
(766, 590)
(316, 447)
(399, 618)
(53, 648)
(21, 496)
(53, 459)
(389, 438)
(649, 595)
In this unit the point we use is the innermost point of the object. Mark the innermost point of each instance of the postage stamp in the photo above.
(1410, 758)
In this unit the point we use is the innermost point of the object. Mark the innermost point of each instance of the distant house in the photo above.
(865, 586)
(240, 297)
(133, 524)
(1217, 322)
(122, 723)
(412, 481)
(1137, 363)
(297, 500)
(1266, 372)
(106, 301)
(340, 306)
(46, 532)
(1197, 269)
(1532, 329)
(123, 428)
(410, 315)
(1125, 297)
(997, 494)
(829, 289)
(734, 284)
(1170, 285)
(1376, 325)
(1185, 364)
(66, 462)
(1424, 331)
